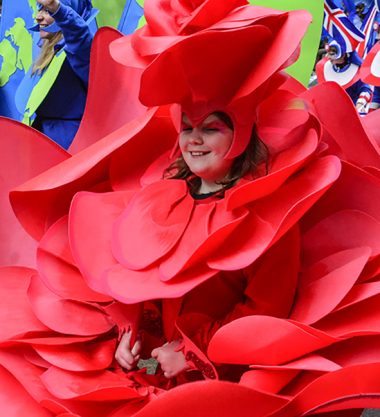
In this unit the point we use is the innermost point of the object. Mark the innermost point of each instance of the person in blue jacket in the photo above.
(52, 96)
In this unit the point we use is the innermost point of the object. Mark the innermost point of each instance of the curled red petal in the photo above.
(149, 227)
(209, 226)
(43, 194)
(22, 402)
(274, 215)
(268, 380)
(318, 297)
(89, 236)
(331, 235)
(361, 318)
(358, 293)
(24, 372)
(222, 399)
(295, 340)
(90, 386)
(57, 268)
(17, 317)
(18, 140)
(103, 113)
(354, 351)
(312, 361)
(339, 390)
(130, 286)
(66, 316)
(92, 356)
(344, 125)
(282, 167)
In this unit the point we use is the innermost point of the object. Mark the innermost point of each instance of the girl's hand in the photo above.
(171, 359)
(124, 355)
(51, 5)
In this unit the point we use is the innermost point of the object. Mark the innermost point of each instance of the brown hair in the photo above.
(256, 154)
(47, 53)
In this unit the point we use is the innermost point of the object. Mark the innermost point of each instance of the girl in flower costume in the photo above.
(270, 283)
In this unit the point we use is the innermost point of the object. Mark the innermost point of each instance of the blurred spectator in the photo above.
(53, 93)
(343, 68)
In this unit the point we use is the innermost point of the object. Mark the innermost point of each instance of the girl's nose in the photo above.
(196, 137)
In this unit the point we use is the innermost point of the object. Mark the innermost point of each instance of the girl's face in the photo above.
(44, 19)
(204, 147)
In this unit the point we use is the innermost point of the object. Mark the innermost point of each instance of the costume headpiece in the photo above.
(230, 67)
(339, 47)
(82, 7)
(335, 50)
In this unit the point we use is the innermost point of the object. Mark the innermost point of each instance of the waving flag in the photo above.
(340, 27)
(368, 30)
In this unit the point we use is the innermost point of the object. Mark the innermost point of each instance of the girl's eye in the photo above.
(186, 129)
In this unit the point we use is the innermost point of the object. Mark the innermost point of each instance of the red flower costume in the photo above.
(276, 284)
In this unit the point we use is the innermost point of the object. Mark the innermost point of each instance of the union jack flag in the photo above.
(367, 28)
(340, 27)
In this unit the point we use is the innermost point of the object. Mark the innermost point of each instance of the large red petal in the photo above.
(318, 297)
(66, 316)
(213, 398)
(109, 104)
(94, 386)
(149, 227)
(275, 214)
(344, 124)
(17, 317)
(15, 401)
(285, 341)
(32, 153)
(57, 269)
(92, 356)
(88, 235)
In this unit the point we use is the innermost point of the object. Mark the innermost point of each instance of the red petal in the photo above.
(57, 269)
(15, 401)
(275, 214)
(92, 356)
(112, 104)
(88, 235)
(66, 316)
(318, 296)
(149, 227)
(295, 340)
(90, 386)
(17, 318)
(213, 398)
(19, 143)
